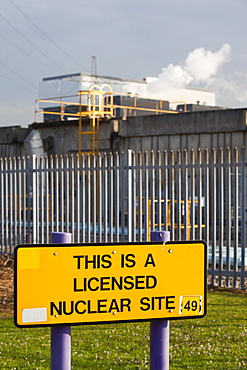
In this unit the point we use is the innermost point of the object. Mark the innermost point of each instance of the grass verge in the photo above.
(218, 341)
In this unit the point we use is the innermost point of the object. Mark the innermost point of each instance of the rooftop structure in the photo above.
(69, 85)
(89, 96)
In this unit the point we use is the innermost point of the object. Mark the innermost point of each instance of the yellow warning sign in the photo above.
(75, 284)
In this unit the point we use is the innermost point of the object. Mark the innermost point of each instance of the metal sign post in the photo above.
(61, 335)
(75, 284)
(160, 329)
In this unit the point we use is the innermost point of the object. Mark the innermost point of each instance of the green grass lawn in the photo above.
(218, 341)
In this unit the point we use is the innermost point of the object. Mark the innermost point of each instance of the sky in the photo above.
(190, 43)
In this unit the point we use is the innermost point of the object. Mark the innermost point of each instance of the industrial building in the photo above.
(69, 85)
(83, 113)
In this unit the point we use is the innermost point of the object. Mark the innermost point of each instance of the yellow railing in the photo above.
(169, 223)
(97, 104)
(100, 103)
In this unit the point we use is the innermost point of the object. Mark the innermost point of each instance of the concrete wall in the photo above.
(184, 130)
(62, 137)
(167, 131)
(59, 137)
(11, 141)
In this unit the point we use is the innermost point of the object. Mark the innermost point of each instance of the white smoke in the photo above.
(203, 64)
(231, 88)
(201, 67)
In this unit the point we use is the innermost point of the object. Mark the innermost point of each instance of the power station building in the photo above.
(69, 85)
(87, 113)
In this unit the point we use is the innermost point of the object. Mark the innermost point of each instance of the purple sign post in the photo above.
(60, 335)
(159, 329)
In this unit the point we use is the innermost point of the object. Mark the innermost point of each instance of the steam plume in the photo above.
(200, 66)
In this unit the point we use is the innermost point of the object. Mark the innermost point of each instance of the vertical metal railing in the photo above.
(228, 212)
(243, 213)
(112, 197)
(116, 196)
(185, 204)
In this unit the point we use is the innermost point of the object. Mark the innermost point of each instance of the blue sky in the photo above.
(132, 39)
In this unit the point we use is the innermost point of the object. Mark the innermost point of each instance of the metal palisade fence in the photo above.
(112, 197)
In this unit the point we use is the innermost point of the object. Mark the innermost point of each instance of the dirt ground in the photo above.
(6, 285)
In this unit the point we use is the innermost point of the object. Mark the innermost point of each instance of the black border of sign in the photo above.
(102, 245)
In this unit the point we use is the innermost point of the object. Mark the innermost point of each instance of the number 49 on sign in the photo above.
(190, 305)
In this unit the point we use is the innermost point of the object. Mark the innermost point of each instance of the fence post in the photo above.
(159, 329)
(130, 196)
(31, 200)
(60, 335)
(35, 197)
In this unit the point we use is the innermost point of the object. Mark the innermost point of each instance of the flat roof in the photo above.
(82, 74)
